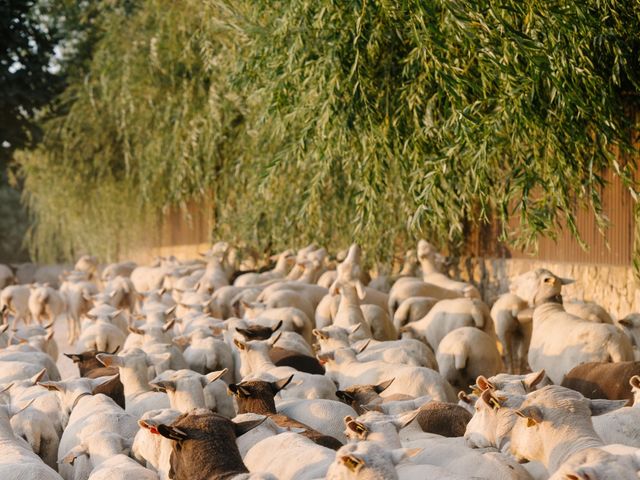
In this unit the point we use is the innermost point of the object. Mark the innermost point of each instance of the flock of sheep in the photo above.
(310, 369)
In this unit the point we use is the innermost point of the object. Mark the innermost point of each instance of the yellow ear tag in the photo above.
(531, 422)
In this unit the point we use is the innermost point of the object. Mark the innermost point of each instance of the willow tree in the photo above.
(376, 121)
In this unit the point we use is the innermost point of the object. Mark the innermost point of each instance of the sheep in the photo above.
(603, 380)
(90, 367)
(46, 304)
(405, 351)
(407, 287)
(82, 411)
(435, 450)
(101, 335)
(213, 278)
(206, 354)
(133, 368)
(14, 299)
(513, 333)
(588, 311)
(204, 446)
(630, 325)
(122, 293)
(105, 455)
(18, 462)
(258, 397)
(36, 336)
(564, 438)
(113, 270)
(31, 356)
(411, 310)
(465, 353)
(621, 426)
(297, 457)
(349, 312)
(293, 319)
(289, 298)
(279, 271)
(283, 357)
(343, 367)
(427, 257)
(6, 276)
(77, 295)
(365, 460)
(151, 449)
(447, 315)
(186, 390)
(257, 365)
(87, 264)
(313, 293)
(561, 341)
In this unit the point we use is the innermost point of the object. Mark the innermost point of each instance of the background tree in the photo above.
(373, 121)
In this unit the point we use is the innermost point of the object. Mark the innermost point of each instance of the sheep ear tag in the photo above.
(531, 422)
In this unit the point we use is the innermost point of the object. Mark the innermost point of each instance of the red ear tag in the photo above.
(154, 430)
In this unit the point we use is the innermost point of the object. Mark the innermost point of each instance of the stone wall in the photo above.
(612, 286)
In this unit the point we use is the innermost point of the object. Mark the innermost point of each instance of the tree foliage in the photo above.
(331, 121)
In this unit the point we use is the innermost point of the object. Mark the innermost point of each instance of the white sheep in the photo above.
(447, 315)
(151, 449)
(133, 368)
(17, 461)
(14, 300)
(561, 341)
(427, 255)
(513, 333)
(343, 367)
(46, 304)
(289, 456)
(411, 310)
(465, 353)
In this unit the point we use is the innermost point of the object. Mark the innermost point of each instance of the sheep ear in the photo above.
(533, 379)
(600, 407)
(240, 345)
(278, 325)
(98, 382)
(319, 334)
(52, 386)
(74, 453)
(334, 289)
(170, 310)
(635, 381)
(244, 332)
(625, 322)
(484, 384)
(243, 427)
(405, 419)
(38, 376)
(109, 360)
(363, 347)
(463, 397)
(566, 281)
(213, 376)
(344, 396)
(3, 328)
(4, 389)
(272, 341)
(360, 289)
(532, 414)
(354, 328)
(74, 357)
(382, 386)
(167, 326)
(113, 315)
(137, 331)
(280, 384)
(400, 454)
(49, 335)
(164, 385)
(171, 433)
(49, 325)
